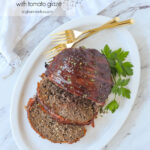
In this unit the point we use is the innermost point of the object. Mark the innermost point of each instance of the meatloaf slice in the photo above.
(64, 106)
(49, 128)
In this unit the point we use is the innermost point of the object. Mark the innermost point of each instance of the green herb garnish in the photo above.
(120, 70)
(119, 88)
(112, 106)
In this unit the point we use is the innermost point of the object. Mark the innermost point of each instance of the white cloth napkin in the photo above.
(14, 28)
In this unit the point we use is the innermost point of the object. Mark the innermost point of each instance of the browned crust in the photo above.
(80, 67)
(58, 117)
(30, 103)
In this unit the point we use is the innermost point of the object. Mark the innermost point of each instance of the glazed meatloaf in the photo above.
(82, 72)
(64, 106)
(49, 128)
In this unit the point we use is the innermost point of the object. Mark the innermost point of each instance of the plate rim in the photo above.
(32, 60)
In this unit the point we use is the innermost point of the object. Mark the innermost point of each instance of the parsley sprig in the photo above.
(121, 70)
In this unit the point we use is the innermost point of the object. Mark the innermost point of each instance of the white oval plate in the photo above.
(106, 127)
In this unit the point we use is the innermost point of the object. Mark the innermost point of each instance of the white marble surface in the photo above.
(135, 133)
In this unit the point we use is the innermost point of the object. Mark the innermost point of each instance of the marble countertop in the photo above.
(135, 133)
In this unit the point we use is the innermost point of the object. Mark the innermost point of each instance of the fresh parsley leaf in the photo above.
(106, 51)
(116, 61)
(120, 55)
(119, 67)
(110, 57)
(122, 82)
(125, 92)
(119, 89)
(127, 66)
(115, 90)
(112, 106)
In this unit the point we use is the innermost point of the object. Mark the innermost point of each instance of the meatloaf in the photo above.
(63, 106)
(83, 72)
(49, 128)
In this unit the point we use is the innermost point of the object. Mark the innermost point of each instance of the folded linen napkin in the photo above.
(13, 28)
